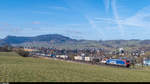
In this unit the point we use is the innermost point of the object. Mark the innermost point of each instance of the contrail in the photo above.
(90, 21)
(107, 5)
(93, 25)
(115, 12)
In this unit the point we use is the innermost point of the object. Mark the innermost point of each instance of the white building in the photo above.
(146, 62)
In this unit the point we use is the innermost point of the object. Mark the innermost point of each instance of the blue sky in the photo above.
(78, 19)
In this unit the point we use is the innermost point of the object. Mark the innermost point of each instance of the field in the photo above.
(14, 68)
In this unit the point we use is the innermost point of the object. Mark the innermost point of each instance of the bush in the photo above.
(6, 48)
(23, 53)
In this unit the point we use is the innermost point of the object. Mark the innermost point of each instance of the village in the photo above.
(92, 55)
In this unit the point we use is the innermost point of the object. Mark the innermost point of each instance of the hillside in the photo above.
(15, 68)
(50, 37)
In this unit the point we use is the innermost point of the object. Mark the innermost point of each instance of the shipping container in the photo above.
(57, 56)
(88, 59)
(78, 58)
(63, 56)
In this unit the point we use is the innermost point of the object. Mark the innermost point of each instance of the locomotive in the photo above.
(118, 62)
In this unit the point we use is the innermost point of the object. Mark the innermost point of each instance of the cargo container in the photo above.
(63, 56)
(95, 60)
(79, 58)
(57, 56)
(103, 61)
(88, 59)
(53, 56)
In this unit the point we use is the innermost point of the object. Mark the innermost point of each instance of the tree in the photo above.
(23, 53)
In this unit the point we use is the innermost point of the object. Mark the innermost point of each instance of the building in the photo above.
(146, 62)
(29, 49)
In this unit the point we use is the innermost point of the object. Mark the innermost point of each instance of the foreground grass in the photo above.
(14, 68)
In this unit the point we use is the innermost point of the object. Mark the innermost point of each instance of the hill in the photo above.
(60, 41)
(15, 68)
(50, 37)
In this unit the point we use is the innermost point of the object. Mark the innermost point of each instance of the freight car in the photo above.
(95, 60)
(78, 58)
(118, 62)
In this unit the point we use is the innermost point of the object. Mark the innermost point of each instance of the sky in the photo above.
(78, 19)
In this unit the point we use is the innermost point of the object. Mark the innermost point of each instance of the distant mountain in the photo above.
(2, 42)
(60, 41)
(56, 38)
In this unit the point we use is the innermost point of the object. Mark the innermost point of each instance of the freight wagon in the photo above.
(53, 56)
(78, 58)
(57, 56)
(95, 60)
(87, 59)
(118, 62)
(63, 56)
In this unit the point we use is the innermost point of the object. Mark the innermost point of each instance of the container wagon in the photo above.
(87, 59)
(79, 58)
(63, 56)
(95, 60)
(53, 56)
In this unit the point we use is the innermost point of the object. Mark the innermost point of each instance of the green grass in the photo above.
(14, 68)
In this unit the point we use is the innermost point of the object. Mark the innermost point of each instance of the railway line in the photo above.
(89, 63)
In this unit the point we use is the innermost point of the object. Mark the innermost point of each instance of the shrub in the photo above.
(6, 48)
(23, 53)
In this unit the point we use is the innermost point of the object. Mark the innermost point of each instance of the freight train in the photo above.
(124, 62)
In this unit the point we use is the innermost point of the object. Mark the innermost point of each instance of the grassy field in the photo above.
(14, 68)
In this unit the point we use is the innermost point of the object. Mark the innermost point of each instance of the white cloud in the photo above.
(91, 22)
(117, 18)
(140, 19)
(104, 20)
(94, 26)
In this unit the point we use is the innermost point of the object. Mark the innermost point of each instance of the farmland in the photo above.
(14, 68)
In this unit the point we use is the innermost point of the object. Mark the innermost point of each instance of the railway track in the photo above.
(83, 62)
(90, 63)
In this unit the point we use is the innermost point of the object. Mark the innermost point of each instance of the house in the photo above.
(29, 49)
(146, 62)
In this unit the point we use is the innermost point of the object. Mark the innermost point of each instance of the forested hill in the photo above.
(60, 41)
(50, 37)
